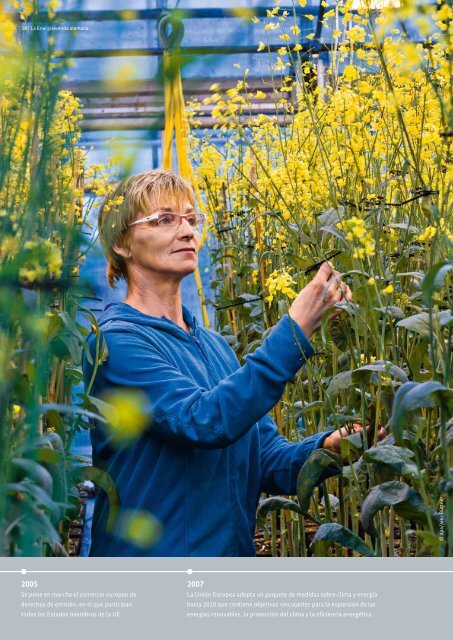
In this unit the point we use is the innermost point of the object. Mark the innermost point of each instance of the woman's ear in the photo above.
(121, 251)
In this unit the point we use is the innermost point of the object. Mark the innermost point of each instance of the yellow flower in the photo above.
(7, 32)
(403, 299)
(261, 46)
(427, 234)
(52, 6)
(356, 34)
(350, 73)
(359, 235)
(279, 282)
(445, 13)
(388, 289)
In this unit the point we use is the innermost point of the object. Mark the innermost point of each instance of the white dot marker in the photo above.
(189, 571)
(23, 571)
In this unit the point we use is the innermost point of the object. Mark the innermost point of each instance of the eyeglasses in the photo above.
(162, 220)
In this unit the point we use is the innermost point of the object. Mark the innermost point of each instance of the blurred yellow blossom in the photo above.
(427, 234)
(359, 235)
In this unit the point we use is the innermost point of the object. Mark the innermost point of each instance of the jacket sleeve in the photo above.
(185, 413)
(282, 460)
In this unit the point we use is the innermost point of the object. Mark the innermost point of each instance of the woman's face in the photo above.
(170, 252)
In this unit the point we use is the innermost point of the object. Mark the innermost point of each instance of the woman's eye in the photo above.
(192, 221)
(164, 220)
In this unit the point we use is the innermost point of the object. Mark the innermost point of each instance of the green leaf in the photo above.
(381, 367)
(93, 403)
(340, 329)
(415, 359)
(311, 472)
(347, 379)
(339, 383)
(334, 502)
(403, 225)
(299, 263)
(419, 323)
(335, 232)
(64, 408)
(309, 406)
(32, 525)
(276, 503)
(58, 470)
(104, 481)
(39, 497)
(351, 445)
(328, 217)
(334, 532)
(250, 348)
(46, 454)
(434, 280)
(394, 312)
(35, 472)
(414, 395)
(70, 324)
(405, 500)
(73, 374)
(55, 421)
(399, 459)
(56, 441)
(326, 223)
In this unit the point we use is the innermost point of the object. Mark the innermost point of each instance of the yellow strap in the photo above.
(169, 114)
(175, 120)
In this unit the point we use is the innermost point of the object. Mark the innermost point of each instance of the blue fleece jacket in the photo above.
(211, 447)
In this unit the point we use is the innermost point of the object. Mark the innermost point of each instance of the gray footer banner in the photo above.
(225, 597)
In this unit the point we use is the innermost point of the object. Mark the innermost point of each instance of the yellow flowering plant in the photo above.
(44, 201)
(354, 165)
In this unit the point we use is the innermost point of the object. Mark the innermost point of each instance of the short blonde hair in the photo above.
(134, 196)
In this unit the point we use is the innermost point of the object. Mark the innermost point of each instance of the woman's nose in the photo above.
(185, 228)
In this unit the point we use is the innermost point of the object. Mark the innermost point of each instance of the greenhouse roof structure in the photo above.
(115, 52)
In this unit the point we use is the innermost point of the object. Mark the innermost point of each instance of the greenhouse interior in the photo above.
(312, 135)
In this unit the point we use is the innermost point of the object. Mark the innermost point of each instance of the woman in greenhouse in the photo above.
(207, 447)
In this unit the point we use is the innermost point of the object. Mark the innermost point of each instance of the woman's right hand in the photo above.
(324, 291)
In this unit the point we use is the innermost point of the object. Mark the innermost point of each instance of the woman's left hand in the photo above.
(333, 442)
